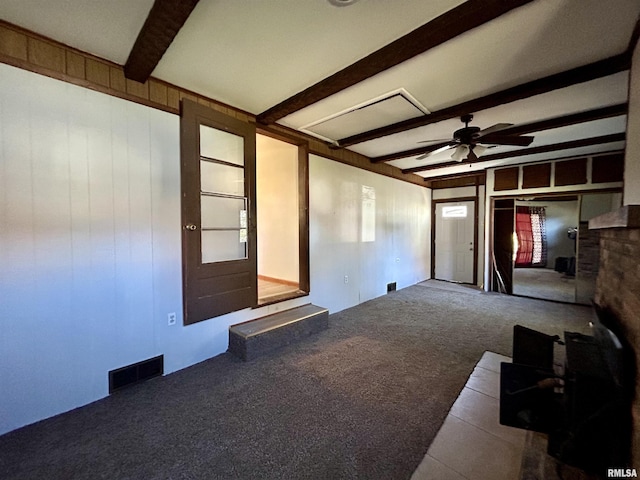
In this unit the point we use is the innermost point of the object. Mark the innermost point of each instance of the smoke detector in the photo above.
(342, 3)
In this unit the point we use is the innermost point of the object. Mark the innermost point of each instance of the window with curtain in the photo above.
(531, 236)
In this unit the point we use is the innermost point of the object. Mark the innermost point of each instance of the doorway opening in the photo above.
(281, 193)
(567, 266)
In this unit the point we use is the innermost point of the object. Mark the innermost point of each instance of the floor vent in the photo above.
(391, 287)
(138, 372)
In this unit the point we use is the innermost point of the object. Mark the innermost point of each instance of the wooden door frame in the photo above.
(475, 232)
(303, 206)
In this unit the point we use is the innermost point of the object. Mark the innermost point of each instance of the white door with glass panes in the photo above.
(454, 241)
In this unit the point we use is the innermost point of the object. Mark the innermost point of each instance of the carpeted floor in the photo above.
(363, 399)
(544, 283)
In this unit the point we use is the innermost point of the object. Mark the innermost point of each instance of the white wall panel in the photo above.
(90, 244)
(400, 252)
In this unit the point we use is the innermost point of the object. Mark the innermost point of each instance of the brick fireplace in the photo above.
(618, 287)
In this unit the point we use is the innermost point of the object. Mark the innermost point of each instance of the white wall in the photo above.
(632, 151)
(594, 204)
(90, 245)
(277, 204)
(400, 252)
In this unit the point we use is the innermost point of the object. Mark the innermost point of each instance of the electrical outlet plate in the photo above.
(346, 279)
(171, 318)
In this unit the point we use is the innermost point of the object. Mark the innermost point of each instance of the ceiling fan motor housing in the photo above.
(466, 135)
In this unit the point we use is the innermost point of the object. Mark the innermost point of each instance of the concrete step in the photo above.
(251, 339)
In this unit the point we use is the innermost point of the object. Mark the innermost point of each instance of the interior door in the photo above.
(218, 213)
(454, 241)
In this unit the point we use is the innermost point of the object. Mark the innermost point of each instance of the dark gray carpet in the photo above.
(362, 400)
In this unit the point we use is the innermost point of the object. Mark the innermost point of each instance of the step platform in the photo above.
(251, 339)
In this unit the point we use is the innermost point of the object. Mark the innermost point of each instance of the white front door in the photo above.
(454, 244)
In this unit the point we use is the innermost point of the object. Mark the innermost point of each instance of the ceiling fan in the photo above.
(467, 141)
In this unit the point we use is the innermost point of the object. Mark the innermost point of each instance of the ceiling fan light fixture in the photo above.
(479, 149)
(460, 153)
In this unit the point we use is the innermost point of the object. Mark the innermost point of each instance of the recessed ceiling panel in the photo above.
(392, 108)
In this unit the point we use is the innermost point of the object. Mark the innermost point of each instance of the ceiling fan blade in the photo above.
(440, 140)
(494, 128)
(496, 139)
(437, 150)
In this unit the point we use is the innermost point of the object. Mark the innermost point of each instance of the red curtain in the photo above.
(525, 237)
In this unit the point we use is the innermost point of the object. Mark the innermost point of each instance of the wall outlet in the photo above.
(171, 318)
(346, 279)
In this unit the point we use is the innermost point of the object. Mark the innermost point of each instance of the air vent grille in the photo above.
(135, 373)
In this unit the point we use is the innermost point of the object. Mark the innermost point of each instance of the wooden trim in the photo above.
(537, 175)
(454, 199)
(433, 238)
(566, 120)
(570, 172)
(476, 173)
(514, 196)
(304, 275)
(476, 235)
(584, 142)
(581, 74)
(506, 179)
(163, 23)
(288, 283)
(409, 153)
(303, 219)
(607, 168)
(450, 24)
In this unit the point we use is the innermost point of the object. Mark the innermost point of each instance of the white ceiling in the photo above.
(253, 54)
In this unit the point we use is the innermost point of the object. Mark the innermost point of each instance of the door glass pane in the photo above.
(221, 212)
(220, 246)
(219, 178)
(221, 145)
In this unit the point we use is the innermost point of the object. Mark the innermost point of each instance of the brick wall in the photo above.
(618, 288)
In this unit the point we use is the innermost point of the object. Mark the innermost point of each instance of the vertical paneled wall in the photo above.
(90, 244)
(77, 238)
(348, 267)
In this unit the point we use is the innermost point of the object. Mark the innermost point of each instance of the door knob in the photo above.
(191, 226)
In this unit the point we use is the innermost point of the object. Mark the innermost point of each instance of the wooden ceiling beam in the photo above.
(409, 153)
(163, 23)
(574, 76)
(584, 142)
(457, 21)
(478, 174)
(557, 122)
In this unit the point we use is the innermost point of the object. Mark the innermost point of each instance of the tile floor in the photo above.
(471, 444)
